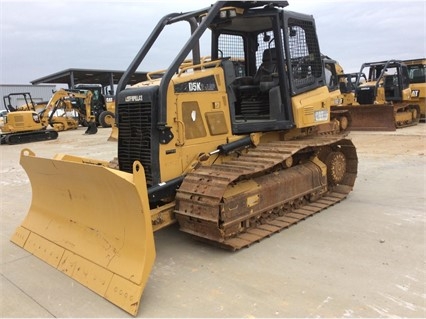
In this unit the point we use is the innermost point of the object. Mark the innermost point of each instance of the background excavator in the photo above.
(417, 78)
(67, 109)
(234, 147)
(22, 124)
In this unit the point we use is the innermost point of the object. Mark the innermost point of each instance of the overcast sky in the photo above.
(41, 37)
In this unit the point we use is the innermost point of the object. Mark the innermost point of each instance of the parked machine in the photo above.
(383, 100)
(233, 147)
(102, 104)
(22, 124)
(340, 85)
(417, 79)
(28, 103)
(67, 109)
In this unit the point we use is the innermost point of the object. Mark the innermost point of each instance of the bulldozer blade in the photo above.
(92, 223)
(372, 117)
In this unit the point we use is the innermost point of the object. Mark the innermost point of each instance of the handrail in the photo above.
(215, 63)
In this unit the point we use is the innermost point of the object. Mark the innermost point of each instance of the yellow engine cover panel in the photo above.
(21, 121)
(311, 108)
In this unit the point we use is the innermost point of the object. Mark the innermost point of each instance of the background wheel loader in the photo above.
(382, 99)
(22, 124)
(102, 105)
(234, 147)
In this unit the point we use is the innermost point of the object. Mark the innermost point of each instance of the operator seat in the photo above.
(261, 81)
(268, 66)
(252, 93)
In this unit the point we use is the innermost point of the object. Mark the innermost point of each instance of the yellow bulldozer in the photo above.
(417, 78)
(341, 85)
(380, 99)
(22, 124)
(234, 147)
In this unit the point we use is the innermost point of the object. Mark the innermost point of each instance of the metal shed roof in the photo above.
(89, 76)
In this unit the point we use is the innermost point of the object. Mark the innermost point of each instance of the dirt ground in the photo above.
(365, 257)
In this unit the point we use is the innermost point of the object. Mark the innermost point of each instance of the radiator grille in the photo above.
(365, 96)
(134, 137)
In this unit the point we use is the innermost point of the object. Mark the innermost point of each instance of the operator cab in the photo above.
(264, 73)
(268, 58)
(391, 77)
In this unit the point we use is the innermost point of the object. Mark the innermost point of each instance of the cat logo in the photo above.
(415, 93)
(194, 86)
